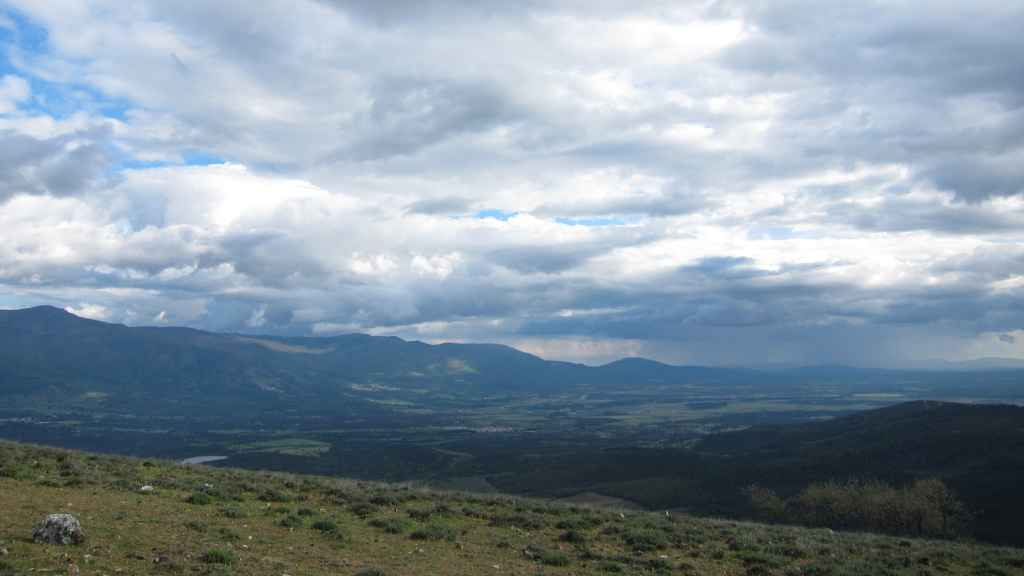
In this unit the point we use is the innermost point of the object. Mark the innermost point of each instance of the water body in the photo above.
(203, 459)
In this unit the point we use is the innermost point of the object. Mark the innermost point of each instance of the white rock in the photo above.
(59, 529)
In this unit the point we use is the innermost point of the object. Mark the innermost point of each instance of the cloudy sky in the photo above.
(699, 182)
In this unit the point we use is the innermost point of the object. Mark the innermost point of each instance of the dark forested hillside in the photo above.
(978, 450)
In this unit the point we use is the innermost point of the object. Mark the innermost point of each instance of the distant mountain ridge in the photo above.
(52, 358)
(49, 354)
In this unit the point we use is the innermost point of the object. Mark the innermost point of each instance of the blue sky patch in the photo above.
(591, 221)
(201, 158)
(496, 214)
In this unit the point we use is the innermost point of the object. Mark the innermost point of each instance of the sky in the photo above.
(712, 182)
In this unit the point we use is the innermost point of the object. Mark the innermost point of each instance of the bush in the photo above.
(195, 526)
(578, 523)
(573, 537)
(362, 509)
(199, 499)
(218, 556)
(326, 526)
(390, 525)
(273, 495)
(521, 521)
(554, 558)
(420, 514)
(434, 532)
(645, 539)
(384, 500)
(765, 503)
(233, 512)
(291, 521)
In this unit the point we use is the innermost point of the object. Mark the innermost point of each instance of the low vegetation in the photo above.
(341, 527)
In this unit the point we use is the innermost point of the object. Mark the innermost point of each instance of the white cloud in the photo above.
(93, 311)
(663, 171)
(13, 90)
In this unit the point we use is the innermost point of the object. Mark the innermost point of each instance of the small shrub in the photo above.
(325, 526)
(765, 504)
(370, 572)
(420, 514)
(521, 521)
(659, 565)
(434, 532)
(578, 523)
(383, 500)
(306, 512)
(199, 499)
(573, 537)
(363, 509)
(218, 556)
(290, 521)
(390, 525)
(472, 512)
(554, 558)
(233, 512)
(273, 495)
(195, 526)
(645, 540)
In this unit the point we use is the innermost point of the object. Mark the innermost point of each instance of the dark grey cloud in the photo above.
(898, 213)
(59, 166)
(907, 75)
(399, 12)
(408, 114)
(445, 205)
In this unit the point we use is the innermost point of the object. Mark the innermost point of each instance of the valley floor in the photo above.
(202, 520)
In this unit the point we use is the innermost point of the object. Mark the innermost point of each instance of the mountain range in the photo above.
(50, 357)
(48, 353)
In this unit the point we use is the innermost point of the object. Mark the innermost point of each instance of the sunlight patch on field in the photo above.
(288, 446)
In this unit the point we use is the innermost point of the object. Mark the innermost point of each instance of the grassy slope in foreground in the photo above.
(201, 520)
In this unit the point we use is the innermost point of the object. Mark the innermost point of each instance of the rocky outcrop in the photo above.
(60, 529)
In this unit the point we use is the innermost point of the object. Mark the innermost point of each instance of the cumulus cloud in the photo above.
(700, 182)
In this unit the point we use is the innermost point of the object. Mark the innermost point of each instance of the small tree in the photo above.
(765, 503)
(940, 513)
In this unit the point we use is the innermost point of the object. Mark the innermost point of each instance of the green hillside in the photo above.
(200, 520)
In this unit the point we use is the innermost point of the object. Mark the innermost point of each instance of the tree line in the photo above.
(926, 507)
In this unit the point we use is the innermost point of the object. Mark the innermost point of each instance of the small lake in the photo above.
(203, 459)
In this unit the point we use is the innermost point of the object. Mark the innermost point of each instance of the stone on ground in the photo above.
(60, 529)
